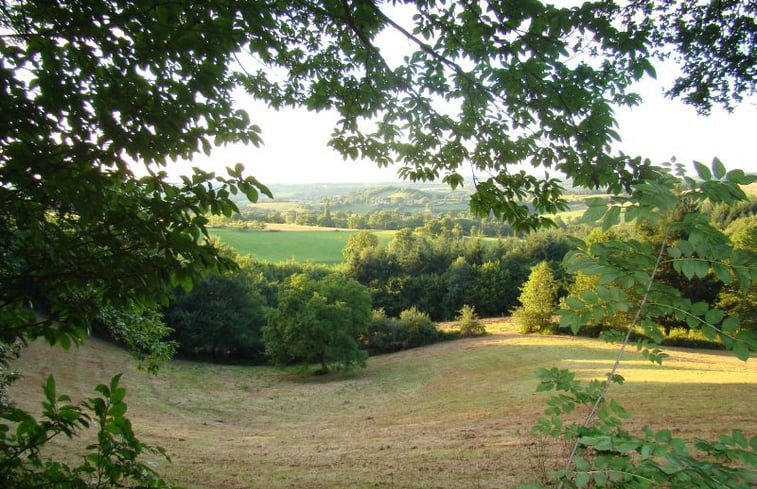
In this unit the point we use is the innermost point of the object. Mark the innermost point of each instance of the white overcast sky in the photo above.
(296, 151)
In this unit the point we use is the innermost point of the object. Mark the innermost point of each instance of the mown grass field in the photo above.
(298, 243)
(452, 415)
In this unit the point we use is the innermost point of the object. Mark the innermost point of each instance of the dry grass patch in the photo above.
(451, 415)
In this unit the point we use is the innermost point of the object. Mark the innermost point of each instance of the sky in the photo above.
(295, 141)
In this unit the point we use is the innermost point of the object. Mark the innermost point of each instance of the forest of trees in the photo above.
(436, 271)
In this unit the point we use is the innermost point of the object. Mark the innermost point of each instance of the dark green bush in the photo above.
(384, 334)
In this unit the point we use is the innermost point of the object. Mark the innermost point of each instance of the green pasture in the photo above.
(302, 246)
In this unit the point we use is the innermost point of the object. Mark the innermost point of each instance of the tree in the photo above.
(318, 322)
(733, 299)
(584, 288)
(358, 242)
(538, 300)
(521, 79)
(469, 323)
(220, 317)
(91, 89)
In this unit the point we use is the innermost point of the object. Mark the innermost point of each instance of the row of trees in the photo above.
(256, 314)
(439, 273)
(379, 219)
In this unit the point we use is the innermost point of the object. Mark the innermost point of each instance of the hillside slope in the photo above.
(451, 415)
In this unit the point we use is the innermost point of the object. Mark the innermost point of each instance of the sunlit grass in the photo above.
(454, 414)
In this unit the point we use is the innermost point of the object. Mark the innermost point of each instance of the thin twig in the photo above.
(626, 340)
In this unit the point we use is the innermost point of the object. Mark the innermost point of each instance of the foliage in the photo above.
(114, 460)
(691, 245)
(318, 322)
(142, 333)
(604, 454)
(419, 327)
(358, 242)
(733, 299)
(80, 230)
(538, 300)
(221, 318)
(440, 272)
(713, 42)
(583, 286)
(92, 87)
(469, 323)
(384, 334)
(412, 329)
(690, 338)
(609, 456)
(521, 77)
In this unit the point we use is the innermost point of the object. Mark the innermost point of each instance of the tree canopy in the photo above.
(318, 322)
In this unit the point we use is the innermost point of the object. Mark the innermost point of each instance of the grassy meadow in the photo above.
(451, 415)
(299, 243)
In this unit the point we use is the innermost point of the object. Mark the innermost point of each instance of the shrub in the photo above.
(115, 459)
(419, 328)
(219, 319)
(383, 334)
(537, 300)
(469, 323)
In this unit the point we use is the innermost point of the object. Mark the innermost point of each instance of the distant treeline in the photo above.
(379, 220)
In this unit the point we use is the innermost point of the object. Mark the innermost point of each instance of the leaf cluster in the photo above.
(115, 459)
(626, 270)
(609, 456)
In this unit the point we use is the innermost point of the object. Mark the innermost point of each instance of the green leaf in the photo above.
(722, 272)
(663, 436)
(713, 316)
(730, 324)
(619, 410)
(703, 172)
(699, 308)
(593, 214)
(117, 410)
(581, 464)
(611, 218)
(626, 445)
(49, 389)
(739, 439)
(718, 168)
(117, 395)
(741, 350)
(582, 479)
